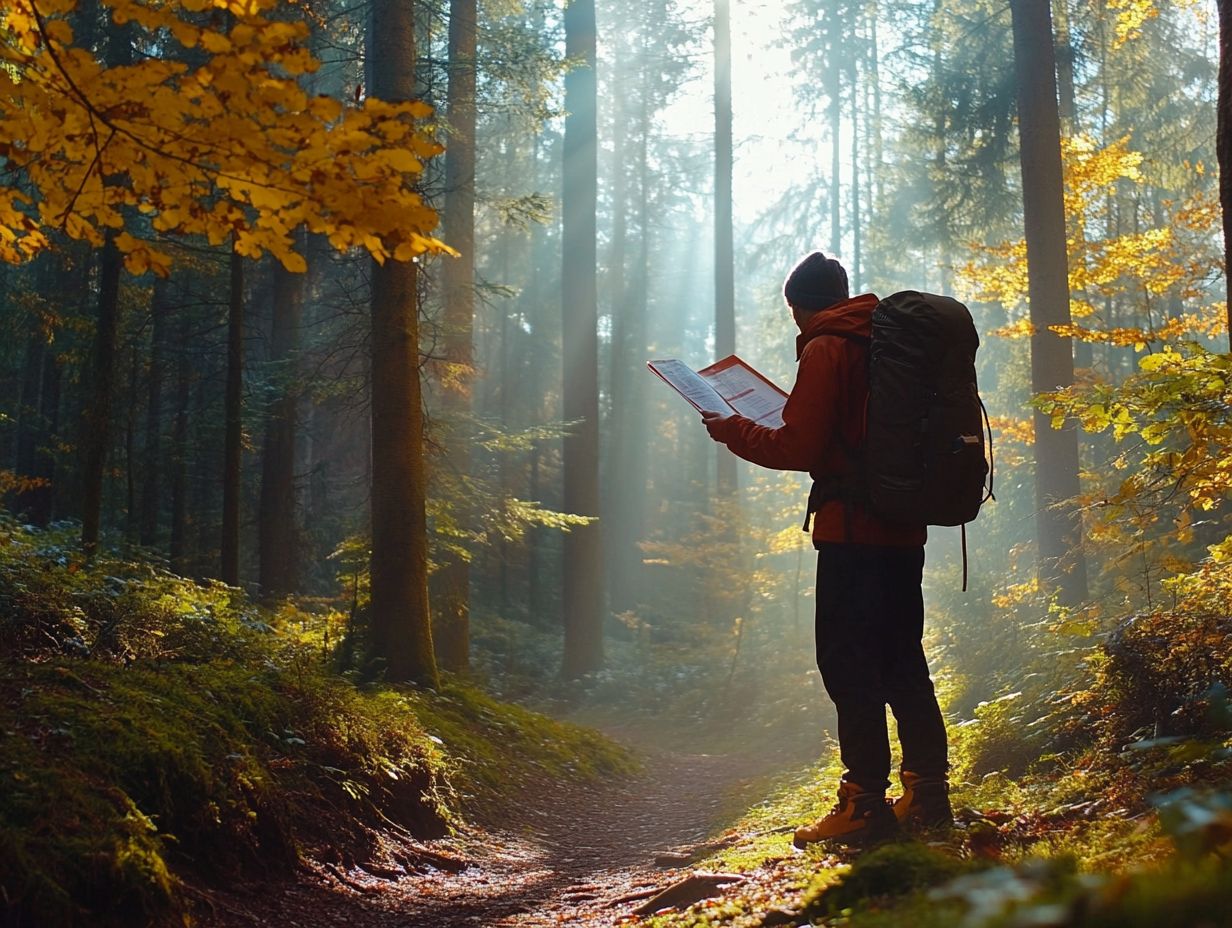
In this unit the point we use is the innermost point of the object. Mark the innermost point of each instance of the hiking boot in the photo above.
(925, 802)
(859, 816)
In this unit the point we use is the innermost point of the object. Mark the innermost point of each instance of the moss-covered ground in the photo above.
(156, 733)
(1089, 844)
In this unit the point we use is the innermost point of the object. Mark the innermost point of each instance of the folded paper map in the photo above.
(727, 386)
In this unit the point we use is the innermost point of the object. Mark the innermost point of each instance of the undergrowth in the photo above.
(1092, 840)
(156, 733)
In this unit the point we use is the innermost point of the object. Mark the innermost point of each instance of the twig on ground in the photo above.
(633, 897)
(691, 889)
(344, 879)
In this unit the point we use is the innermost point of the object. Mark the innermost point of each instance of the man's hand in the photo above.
(713, 421)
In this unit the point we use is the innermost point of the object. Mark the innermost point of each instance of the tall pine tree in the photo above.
(399, 617)
(582, 584)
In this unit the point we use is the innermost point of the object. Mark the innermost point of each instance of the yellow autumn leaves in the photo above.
(1171, 258)
(1176, 407)
(222, 142)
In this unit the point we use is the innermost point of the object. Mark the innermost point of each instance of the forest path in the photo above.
(570, 858)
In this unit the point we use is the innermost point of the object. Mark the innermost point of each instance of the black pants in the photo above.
(870, 619)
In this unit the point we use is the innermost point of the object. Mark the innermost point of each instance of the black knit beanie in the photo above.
(817, 282)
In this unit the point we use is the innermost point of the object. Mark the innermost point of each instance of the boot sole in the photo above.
(865, 837)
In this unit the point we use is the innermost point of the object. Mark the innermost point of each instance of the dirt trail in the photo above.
(573, 854)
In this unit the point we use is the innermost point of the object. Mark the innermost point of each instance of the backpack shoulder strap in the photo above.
(850, 336)
(851, 488)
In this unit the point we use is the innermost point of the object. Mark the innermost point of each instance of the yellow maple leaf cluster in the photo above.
(1016, 594)
(1207, 588)
(1209, 322)
(1090, 169)
(1012, 436)
(1131, 16)
(1171, 259)
(209, 133)
(1019, 429)
(997, 273)
(1018, 328)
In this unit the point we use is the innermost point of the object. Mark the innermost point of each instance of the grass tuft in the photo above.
(884, 873)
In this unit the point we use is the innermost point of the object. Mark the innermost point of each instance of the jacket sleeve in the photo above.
(809, 419)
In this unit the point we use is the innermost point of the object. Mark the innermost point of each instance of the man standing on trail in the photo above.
(870, 607)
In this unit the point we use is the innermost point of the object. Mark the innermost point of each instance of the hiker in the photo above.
(870, 606)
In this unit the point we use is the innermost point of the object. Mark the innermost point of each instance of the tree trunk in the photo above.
(874, 80)
(151, 469)
(233, 436)
(857, 272)
(619, 493)
(628, 404)
(97, 411)
(277, 523)
(634, 464)
(940, 136)
(38, 410)
(1223, 139)
(1061, 562)
(451, 630)
(541, 314)
(724, 248)
(399, 616)
(38, 422)
(27, 422)
(96, 419)
(131, 516)
(508, 384)
(836, 131)
(1067, 108)
(582, 584)
(204, 466)
(178, 546)
(42, 505)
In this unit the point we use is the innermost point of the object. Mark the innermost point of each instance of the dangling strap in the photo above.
(991, 462)
(964, 553)
(815, 499)
(848, 488)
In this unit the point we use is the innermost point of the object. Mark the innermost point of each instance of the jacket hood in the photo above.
(853, 316)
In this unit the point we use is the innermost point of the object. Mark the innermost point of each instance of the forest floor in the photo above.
(159, 737)
(576, 854)
(712, 831)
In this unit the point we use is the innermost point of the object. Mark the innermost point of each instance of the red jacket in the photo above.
(826, 408)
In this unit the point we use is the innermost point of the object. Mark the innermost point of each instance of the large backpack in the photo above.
(924, 449)
(922, 461)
